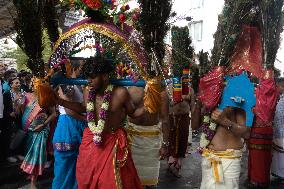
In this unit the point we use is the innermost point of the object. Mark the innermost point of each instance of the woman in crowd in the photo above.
(11, 99)
(35, 122)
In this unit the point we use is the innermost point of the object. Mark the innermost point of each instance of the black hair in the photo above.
(8, 74)
(280, 80)
(10, 80)
(97, 65)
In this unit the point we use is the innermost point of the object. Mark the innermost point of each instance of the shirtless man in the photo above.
(146, 139)
(221, 163)
(108, 165)
(180, 123)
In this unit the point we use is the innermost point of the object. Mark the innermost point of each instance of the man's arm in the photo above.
(237, 129)
(196, 115)
(75, 106)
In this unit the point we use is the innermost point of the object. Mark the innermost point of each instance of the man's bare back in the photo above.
(147, 119)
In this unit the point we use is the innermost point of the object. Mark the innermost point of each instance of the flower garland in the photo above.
(97, 129)
(208, 132)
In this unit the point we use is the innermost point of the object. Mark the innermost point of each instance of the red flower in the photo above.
(93, 4)
(122, 17)
(135, 17)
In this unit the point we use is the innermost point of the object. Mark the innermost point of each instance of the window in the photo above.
(196, 30)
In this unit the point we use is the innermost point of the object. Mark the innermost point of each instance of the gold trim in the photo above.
(116, 167)
(260, 146)
(149, 182)
(143, 133)
(107, 32)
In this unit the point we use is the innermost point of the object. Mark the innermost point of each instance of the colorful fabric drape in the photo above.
(66, 141)
(107, 166)
(211, 88)
(152, 99)
(35, 157)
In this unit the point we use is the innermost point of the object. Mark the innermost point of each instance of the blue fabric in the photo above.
(69, 131)
(65, 170)
(66, 140)
(6, 86)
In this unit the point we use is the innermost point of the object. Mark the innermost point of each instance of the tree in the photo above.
(182, 49)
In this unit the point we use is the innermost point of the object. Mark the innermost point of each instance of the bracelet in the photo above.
(165, 144)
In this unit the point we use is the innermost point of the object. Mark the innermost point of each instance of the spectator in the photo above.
(2, 71)
(11, 118)
(7, 75)
(25, 79)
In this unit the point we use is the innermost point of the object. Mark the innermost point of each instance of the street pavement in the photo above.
(191, 175)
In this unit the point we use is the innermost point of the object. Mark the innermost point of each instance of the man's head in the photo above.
(75, 68)
(97, 71)
(8, 74)
(280, 84)
(2, 70)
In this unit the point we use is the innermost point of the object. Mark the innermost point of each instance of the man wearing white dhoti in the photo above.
(148, 140)
(277, 166)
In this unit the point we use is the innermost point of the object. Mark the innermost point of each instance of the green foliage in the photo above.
(22, 58)
(154, 27)
(182, 50)
(28, 25)
(204, 63)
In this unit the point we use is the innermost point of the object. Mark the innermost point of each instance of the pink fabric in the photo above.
(266, 100)
(211, 88)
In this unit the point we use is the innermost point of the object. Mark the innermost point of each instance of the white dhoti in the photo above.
(277, 166)
(221, 169)
(145, 144)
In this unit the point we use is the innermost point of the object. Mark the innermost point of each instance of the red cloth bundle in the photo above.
(211, 88)
(266, 100)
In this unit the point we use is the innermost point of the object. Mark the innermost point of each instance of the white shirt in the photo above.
(1, 101)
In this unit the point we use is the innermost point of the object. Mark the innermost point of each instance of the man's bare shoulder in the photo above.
(120, 92)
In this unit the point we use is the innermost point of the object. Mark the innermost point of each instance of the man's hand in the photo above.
(164, 152)
(39, 128)
(219, 117)
(13, 114)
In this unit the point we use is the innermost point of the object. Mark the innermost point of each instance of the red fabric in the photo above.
(248, 52)
(95, 169)
(259, 166)
(259, 160)
(211, 88)
(266, 100)
(177, 96)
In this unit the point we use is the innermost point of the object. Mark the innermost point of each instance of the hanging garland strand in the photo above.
(28, 25)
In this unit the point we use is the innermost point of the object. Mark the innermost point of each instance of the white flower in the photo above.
(97, 138)
(90, 106)
(101, 123)
(203, 141)
(206, 119)
(213, 126)
(105, 105)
